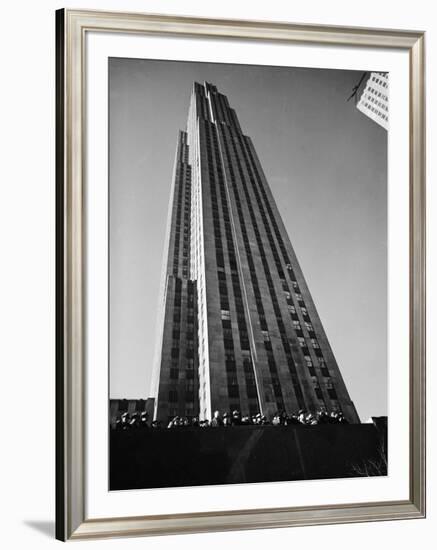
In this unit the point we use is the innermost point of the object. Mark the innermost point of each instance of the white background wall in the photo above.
(27, 273)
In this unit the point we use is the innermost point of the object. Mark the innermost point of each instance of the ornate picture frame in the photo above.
(72, 518)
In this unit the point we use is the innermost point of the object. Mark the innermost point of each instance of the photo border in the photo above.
(71, 29)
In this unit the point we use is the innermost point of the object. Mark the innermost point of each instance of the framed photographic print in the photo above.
(240, 275)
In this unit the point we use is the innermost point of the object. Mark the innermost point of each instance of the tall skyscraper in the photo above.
(239, 328)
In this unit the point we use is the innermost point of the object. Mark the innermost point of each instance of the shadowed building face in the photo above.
(239, 329)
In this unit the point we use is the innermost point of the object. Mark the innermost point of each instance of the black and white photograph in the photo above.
(218, 264)
(248, 273)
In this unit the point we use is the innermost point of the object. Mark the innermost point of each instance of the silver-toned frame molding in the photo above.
(71, 520)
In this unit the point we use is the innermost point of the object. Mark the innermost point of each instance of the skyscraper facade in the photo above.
(373, 100)
(239, 329)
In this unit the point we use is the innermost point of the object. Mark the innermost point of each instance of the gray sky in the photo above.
(327, 166)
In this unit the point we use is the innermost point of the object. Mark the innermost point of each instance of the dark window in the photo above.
(174, 373)
(220, 260)
(189, 396)
(298, 391)
(172, 396)
(251, 391)
(332, 393)
(175, 352)
(231, 366)
(247, 364)
(280, 404)
(223, 289)
(229, 343)
(244, 343)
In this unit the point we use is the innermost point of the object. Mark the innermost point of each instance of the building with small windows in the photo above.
(373, 100)
(239, 329)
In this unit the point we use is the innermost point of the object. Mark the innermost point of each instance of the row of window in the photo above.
(219, 108)
(250, 383)
(379, 104)
(173, 396)
(176, 351)
(258, 299)
(228, 333)
(175, 373)
(382, 82)
(285, 343)
(183, 200)
(376, 111)
(246, 149)
(294, 283)
(378, 94)
(201, 102)
(217, 174)
(183, 352)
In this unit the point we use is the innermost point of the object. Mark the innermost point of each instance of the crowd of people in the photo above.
(135, 420)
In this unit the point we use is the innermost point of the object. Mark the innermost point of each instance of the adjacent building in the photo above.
(373, 98)
(239, 329)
